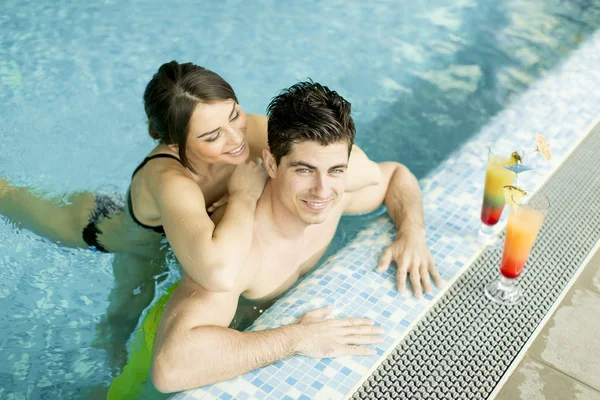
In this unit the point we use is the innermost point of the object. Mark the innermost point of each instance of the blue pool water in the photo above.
(422, 77)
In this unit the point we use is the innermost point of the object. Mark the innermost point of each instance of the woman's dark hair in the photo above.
(308, 111)
(171, 97)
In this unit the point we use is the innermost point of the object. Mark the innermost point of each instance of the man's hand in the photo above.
(323, 338)
(412, 256)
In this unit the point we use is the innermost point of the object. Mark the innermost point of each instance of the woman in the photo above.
(205, 142)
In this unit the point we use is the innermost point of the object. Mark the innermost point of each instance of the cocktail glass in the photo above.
(497, 176)
(524, 222)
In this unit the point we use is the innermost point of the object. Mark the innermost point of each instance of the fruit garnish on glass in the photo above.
(516, 164)
(513, 194)
(516, 158)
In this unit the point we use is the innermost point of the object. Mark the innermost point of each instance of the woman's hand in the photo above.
(248, 178)
(218, 203)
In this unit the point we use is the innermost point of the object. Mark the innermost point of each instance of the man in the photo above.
(310, 137)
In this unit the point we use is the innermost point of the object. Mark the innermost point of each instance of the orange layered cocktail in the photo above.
(527, 213)
(524, 224)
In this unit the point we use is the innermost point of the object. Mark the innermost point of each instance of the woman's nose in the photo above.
(235, 135)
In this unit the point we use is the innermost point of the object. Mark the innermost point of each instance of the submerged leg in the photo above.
(132, 293)
(60, 220)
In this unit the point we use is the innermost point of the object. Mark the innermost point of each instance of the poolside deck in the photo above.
(563, 360)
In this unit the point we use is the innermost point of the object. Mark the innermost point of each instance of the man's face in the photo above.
(311, 179)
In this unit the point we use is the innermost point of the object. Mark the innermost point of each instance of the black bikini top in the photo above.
(157, 229)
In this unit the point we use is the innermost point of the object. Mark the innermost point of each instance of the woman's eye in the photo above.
(215, 137)
(237, 114)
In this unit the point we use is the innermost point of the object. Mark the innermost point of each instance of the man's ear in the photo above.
(269, 162)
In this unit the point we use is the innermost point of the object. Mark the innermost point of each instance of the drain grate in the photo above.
(463, 346)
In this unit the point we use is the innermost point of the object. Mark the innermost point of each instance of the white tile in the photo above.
(328, 393)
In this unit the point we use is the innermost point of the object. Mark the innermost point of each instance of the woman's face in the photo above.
(217, 133)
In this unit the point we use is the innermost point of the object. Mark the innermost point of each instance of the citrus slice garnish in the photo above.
(515, 158)
(513, 194)
(542, 146)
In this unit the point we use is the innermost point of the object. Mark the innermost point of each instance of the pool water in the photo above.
(422, 79)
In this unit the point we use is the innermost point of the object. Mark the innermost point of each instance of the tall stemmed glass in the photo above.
(497, 176)
(528, 210)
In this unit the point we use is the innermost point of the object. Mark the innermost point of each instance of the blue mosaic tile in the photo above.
(561, 106)
(326, 361)
(257, 382)
(320, 367)
(291, 380)
(267, 388)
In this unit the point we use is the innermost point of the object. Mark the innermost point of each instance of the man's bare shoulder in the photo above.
(192, 305)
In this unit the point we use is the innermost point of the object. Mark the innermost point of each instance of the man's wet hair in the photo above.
(308, 111)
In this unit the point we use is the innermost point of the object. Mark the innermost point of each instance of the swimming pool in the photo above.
(422, 80)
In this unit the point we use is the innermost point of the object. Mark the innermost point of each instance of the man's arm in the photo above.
(214, 354)
(362, 172)
(194, 347)
(400, 191)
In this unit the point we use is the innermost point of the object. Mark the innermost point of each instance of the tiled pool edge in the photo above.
(472, 155)
(468, 264)
(463, 347)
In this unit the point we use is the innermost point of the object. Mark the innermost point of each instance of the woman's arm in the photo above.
(210, 254)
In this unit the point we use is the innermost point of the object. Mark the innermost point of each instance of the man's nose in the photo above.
(321, 187)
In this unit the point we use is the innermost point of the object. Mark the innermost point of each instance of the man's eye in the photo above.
(215, 137)
(303, 170)
(337, 171)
